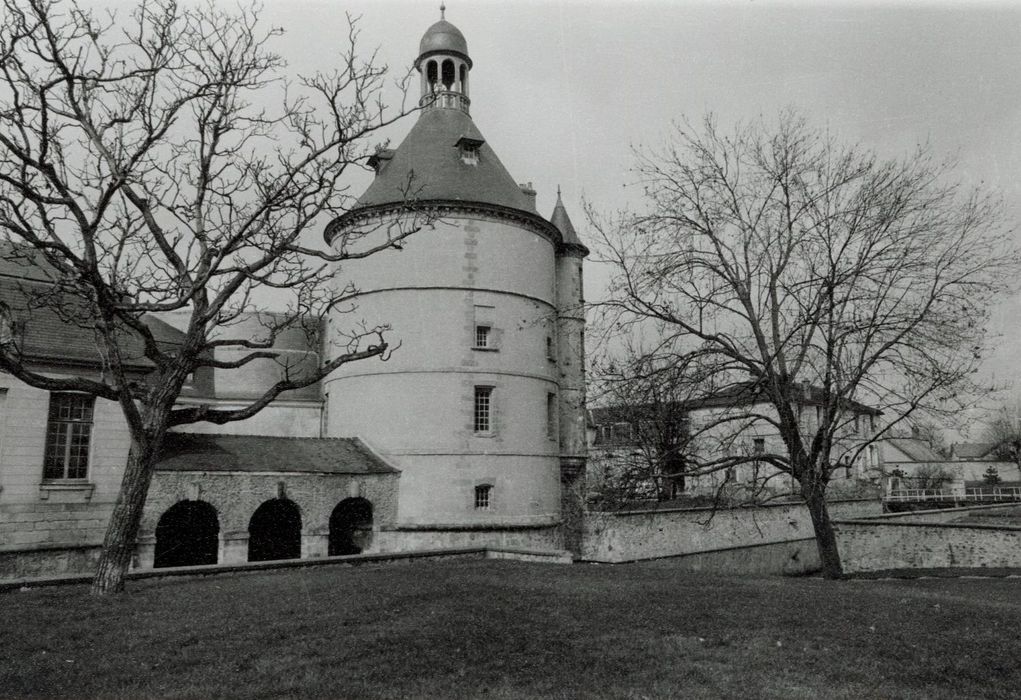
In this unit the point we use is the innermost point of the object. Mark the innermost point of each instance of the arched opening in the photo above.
(187, 534)
(274, 532)
(448, 74)
(350, 527)
(464, 79)
(430, 72)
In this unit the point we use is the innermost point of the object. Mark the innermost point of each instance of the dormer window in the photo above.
(381, 157)
(469, 149)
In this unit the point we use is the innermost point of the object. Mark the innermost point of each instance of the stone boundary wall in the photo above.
(652, 534)
(539, 537)
(787, 558)
(393, 559)
(929, 540)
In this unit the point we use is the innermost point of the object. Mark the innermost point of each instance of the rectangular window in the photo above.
(483, 493)
(549, 348)
(551, 415)
(759, 446)
(482, 336)
(483, 409)
(68, 434)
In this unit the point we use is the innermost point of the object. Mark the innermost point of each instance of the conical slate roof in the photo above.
(562, 221)
(428, 165)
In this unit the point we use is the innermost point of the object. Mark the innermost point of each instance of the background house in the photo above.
(731, 423)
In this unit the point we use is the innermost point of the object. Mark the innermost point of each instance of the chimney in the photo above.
(529, 192)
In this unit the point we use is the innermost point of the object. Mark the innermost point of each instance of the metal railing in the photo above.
(981, 493)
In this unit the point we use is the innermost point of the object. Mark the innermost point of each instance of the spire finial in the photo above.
(558, 191)
(443, 11)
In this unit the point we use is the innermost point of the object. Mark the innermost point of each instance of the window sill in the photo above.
(485, 348)
(484, 434)
(70, 487)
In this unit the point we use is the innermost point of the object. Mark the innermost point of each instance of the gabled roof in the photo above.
(751, 392)
(915, 449)
(55, 326)
(972, 450)
(256, 453)
(428, 166)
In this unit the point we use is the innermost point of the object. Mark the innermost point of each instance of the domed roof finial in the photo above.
(443, 11)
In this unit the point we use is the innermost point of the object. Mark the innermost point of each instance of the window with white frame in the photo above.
(486, 332)
(483, 409)
(483, 496)
(68, 436)
(482, 336)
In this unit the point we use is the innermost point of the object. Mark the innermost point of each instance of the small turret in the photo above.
(443, 64)
(571, 368)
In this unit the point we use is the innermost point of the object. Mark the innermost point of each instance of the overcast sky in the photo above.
(563, 90)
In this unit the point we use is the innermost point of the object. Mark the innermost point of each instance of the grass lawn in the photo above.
(499, 629)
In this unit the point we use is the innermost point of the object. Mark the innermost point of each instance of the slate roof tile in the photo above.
(257, 453)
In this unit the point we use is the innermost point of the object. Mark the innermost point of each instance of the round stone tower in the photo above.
(469, 406)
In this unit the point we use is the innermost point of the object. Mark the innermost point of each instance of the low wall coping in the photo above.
(694, 509)
(47, 546)
(699, 552)
(482, 527)
(943, 511)
(955, 526)
(9, 585)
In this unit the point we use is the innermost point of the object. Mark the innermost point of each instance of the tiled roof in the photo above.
(430, 161)
(973, 450)
(22, 262)
(748, 393)
(916, 450)
(256, 453)
(562, 221)
(50, 326)
(742, 394)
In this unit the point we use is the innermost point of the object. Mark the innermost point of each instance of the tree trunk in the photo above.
(825, 539)
(121, 533)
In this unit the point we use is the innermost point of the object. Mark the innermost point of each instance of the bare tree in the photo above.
(1004, 431)
(649, 399)
(138, 167)
(806, 267)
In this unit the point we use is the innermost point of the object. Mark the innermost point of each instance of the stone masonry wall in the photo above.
(47, 538)
(634, 535)
(543, 538)
(930, 539)
(866, 546)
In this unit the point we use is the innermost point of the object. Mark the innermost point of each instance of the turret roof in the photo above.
(443, 37)
(562, 221)
(428, 165)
